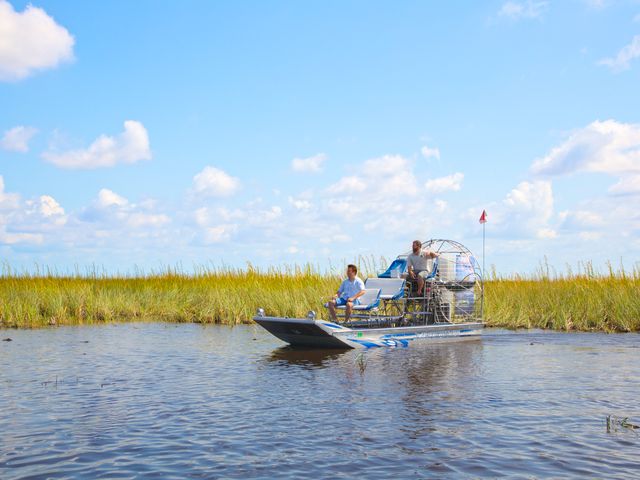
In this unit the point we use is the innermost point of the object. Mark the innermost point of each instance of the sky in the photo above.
(146, 134)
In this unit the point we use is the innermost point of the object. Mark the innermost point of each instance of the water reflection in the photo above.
(309, 357)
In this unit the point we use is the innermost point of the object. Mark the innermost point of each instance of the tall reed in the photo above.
(578, 299)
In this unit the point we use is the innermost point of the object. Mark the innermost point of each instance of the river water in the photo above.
(189, 401)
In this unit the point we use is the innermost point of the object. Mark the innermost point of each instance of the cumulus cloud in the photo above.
(49, 207)
(28, 221)
(450, 183)
(622, 61)
(114, 212)
(108, 198)
(381, 195)
(310, 164)
(214, 182)
(30, 41)
(529, 9)
(532, 200)
(17, 139)
(220, 224)
(130, 146)
(605, 147)
(428, 152)
(527, 211)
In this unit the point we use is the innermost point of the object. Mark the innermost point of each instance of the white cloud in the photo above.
(49, 207)
(605, 147)
(628, 185)
(532, 200)
(450, 183)
(141, 219)
(8, 201)
(521, 10)
(220, 233)
(380, 196)
(28, 221)
(525, 212)
(310, 164)
(17, 139)
(299, 203)
(214, 182)
(428, 152)
(30, 41)
(348, 185)
(108, 198)
(130, 146)
(622, 61)
(581, 220)
(118, 216)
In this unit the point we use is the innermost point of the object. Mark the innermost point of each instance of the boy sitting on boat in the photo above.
(351, 289)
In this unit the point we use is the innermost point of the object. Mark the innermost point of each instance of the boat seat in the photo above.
(397, 269)
(390, 288)
(368, 301)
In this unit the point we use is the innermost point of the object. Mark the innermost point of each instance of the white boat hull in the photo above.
(310, 332)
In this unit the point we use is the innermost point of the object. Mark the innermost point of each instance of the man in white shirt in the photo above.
(417, 263)
(351, 289)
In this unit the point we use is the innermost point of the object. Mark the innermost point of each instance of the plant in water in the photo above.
(615, 423)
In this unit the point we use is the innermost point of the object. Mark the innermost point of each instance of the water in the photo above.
(187, 401)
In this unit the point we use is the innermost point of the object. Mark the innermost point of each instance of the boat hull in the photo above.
(307, 332)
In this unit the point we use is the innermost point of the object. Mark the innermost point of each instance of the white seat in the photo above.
(390, 288)
(368, 301)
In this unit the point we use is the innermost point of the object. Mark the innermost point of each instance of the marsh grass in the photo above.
(226, 295)
(582, 300)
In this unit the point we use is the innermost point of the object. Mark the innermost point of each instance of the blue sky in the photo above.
(151, 133)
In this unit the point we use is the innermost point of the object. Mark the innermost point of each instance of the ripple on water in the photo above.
(169, 401)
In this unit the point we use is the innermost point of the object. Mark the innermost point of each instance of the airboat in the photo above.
(392, 313)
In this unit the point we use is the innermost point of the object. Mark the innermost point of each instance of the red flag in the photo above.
(483, 217)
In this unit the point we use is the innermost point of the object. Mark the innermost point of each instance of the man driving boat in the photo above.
(417, 263)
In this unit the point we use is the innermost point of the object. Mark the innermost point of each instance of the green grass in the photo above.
(583, 301)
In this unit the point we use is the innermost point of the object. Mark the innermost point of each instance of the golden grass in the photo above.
(583, 301)
(225, 296)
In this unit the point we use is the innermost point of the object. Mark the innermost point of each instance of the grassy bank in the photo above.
(584, 301)
(223, 296)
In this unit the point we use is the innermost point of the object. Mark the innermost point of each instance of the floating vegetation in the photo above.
(361, 362)
(614, 424)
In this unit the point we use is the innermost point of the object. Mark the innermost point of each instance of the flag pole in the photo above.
(484, 226)
(483, 221)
